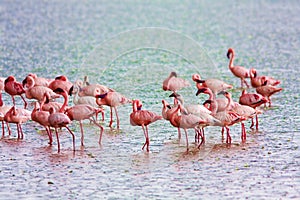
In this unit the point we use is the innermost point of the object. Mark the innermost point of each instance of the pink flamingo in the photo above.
(38, 81)
(84, 111)
(113, 100)
(257, 81)
(3, 110)
(253, 100)
(17, 116)
(238, 71)
(42, 118)
(174, 83)
(13, 88)
(267, 91)
(227, 117)
(61, 82)
(90, 100)
(38, 92)
(167, 111)
(215, 85)
(200, 111)
(142, 118)
(242, 110)
(59, 119)
(186, 121)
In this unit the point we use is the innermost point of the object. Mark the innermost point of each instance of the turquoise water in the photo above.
(108, 41)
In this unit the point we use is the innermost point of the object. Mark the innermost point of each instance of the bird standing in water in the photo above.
(143, 118)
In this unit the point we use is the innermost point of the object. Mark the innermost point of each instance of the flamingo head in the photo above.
(196, 77)
(230, 52)
(9, 79)
(204, 90)
(101, 96)
(173, 74)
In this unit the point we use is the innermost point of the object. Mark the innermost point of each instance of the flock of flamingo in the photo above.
(89, 100)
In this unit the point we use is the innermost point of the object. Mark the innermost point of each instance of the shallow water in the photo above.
(54, 38)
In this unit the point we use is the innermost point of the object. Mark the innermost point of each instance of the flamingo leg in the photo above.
(256, 122)
(243, 137)
(146, 137)
(73, 137)
(117, 116)
(202, 138)
(228, 138)
(179, 134)
(21, 131)
(18, 130)
(246, 83)
(101, 129)
(81, 130)
(3, 131)
(187, 140)
(147, 140)
(49, 134)
(57, 138)
(222, 134)
(252, 123)
(111, 118)
(25, 103)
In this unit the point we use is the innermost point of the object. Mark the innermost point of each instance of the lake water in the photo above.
(132, 46)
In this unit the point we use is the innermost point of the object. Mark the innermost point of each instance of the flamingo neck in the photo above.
(66, 98)
(229, 103)
(134, 106)
(175, 118)
(231, 60)
(213, 107)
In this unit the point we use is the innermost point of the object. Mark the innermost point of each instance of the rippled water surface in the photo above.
(79, 38)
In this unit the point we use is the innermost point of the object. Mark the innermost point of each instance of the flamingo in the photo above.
(215, 85)
(267, 91)
(61, 82)
(13, 88)
(167, 110)
(226, 117)
(90, 100)
(84, 111)
(42, 118)
(253, 100)
(38, 81)
(238, 71)
(186, 121)
(174, 83)
(3, 110)
(200, 111)
(38, 92)
(242, 110)
(59, 119)
(143, 118)
(113, 100)
(257, 81)
(17, 116)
